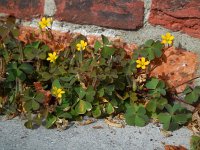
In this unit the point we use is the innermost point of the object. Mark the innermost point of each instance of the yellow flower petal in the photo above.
(62, 92)
(143, 60)
(138, 61)
(146, 63)
(163, 37)
(171, 38)
(143, 67)
(169, 42)
(54, 53)
(168, 34)
(85, 44)
(50, 54)
(43, 19)
(164, 41)
(138, 66)
(59, 95)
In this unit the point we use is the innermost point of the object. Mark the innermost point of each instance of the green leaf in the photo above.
(44, 48)
(28, 52)
(90, 93)
(39, 97)
(97, 46)
(107, 52)
(88, 106)
(81, 92)
(42, 55)
(27, 68)
(180, 118)
(139, 121)
(15, 32)
(149, 43)
(50, 120)
(133, 97)
(56, 83)
(136, 115)
(192, 97)
(195, 143)
(96, 112)
(152, 84)
(109, 108)
(11, 76)
(28, 105)
(109, 89)
(65, 115)
(35, 105)
(151, 55)
(21, 75)
(151, 106)
(105, 40)
(35, 44)
(130, 119)
(45, 76)
(158, 49)
(28, 124)
(165, 119)
(81, 107)
(101, 92)
(161, 103)
(141, 110)
(187, 90)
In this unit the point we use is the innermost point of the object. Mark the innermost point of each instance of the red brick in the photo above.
(177, 15)
(180, 67)
(122, 14)
(24, 9)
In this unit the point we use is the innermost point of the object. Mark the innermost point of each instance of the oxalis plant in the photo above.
(51, 86)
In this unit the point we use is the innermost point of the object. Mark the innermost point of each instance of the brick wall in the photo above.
(177, 15)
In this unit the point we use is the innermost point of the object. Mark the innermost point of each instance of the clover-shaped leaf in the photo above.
(174, 118)
(136, 115)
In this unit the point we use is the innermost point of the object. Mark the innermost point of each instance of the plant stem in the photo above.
(185, 82)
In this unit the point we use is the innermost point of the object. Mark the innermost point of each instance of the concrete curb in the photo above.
(15, 136)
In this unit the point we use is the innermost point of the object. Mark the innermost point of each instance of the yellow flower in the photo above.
(52, 57)
(167, 39)
(142, 63)
(57, 92)
(81, 46)
(45, 22)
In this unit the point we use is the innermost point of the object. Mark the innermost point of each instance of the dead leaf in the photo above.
(166, 133)
(89, 121)
(97, 127)
(195, 123)
(62, 124)
(113, 123)
(171, 147)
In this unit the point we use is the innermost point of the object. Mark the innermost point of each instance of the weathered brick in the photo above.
(177, 15)
(122, 14)
(180, 66)
(25, 9)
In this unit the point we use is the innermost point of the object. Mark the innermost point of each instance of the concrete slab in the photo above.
(14, 136)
